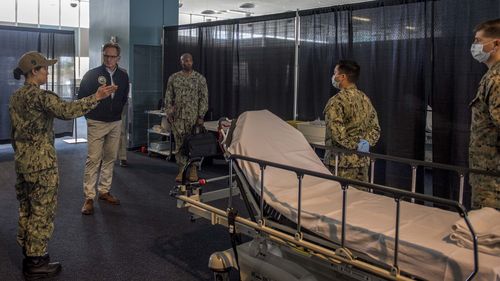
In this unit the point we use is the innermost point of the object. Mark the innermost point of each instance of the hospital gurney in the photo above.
(295, 203)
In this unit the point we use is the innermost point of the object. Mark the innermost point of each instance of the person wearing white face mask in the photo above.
(351, 123)
(484, 145)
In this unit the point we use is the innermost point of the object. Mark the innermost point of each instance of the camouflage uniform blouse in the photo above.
(32, 112)
(350, 117)
(188, 94)
(484, 143)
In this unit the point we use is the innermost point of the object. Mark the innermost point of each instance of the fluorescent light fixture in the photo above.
(239, 12)
(361, 19)
(410, 27)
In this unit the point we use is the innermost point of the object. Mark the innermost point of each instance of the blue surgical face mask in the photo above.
(478, 54)
(335, 83)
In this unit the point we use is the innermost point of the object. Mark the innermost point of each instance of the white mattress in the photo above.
(425, 249)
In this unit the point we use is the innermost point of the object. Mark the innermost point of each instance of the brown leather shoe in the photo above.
(109, 198)
(88, 207)
(193, 174)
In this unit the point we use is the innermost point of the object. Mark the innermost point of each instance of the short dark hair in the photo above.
(350, 68)
(491, 28)
(112, 45)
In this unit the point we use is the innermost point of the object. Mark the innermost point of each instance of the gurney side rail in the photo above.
(397, 194)
(413, 163)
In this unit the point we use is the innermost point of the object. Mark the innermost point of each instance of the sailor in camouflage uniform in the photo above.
(186, 102)
(484, 143)
(351, 123)
(32, 111)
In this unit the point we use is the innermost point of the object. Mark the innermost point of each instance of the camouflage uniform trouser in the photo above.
(485, 191)
(37, 195)
(354, 173)
(181, 128)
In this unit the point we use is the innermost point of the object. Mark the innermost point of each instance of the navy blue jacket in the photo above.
(109, 109)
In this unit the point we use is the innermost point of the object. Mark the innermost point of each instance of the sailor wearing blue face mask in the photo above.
(351, 123)
(484, 146)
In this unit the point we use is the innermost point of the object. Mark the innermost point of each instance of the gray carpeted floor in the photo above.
(145, 238)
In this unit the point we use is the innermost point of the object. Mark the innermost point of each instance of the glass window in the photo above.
(49, 12)
(82, 67)
(27, 11)
(196, 19)
(184, 19)
(69, 14)
(84, 14)
(63, 76)
(8, 11)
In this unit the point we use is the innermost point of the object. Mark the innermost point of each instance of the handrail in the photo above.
(396, 193)
(344, 181)
(461, 171)
(408, 161)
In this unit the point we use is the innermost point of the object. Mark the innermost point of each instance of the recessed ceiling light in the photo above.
(247, 6)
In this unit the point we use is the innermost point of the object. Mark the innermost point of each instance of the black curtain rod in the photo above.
(35, 29)
(360, 6)
(286, 15)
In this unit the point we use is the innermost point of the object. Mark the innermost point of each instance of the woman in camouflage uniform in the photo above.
(32, 111)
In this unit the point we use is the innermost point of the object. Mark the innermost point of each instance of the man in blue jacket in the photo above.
(103, 126)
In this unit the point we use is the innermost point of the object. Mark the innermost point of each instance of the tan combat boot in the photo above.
(193, 175)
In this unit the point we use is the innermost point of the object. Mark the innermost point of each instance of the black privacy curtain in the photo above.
(58, 44)
(248, 64)
(389, 44)
(413, 54)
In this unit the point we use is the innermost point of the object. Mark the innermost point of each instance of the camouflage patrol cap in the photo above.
(33, 59)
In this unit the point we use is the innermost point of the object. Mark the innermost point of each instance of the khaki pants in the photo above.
(103, 139)
(37, 196)
(122, 150)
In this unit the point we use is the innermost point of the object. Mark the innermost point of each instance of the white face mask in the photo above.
(478, 54)
(335, 83)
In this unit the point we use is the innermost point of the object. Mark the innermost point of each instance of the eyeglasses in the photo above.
(110, 57)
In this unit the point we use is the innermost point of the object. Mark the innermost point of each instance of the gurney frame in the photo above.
(189, 195)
